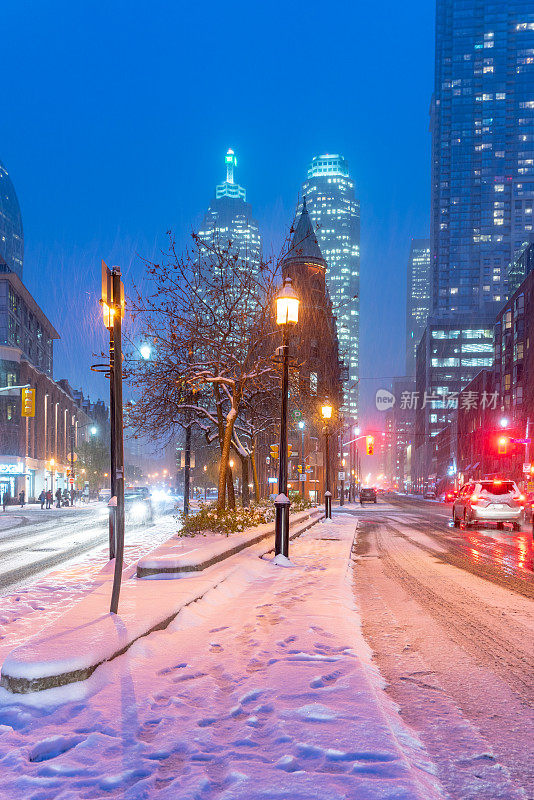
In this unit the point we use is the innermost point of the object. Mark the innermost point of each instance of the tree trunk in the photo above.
(245, 490)
(225, 453)
(255, 473)
(230, 489)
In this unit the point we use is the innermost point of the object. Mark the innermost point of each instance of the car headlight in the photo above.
(138, 510)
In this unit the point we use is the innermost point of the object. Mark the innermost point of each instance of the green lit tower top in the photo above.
(335, 214)
(229, 219)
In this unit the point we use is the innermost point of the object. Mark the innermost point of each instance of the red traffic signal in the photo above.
(369, 445)
(502, 445)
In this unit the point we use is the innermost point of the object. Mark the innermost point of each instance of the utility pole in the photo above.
(118, 442)
(111, 522)
(113, 308)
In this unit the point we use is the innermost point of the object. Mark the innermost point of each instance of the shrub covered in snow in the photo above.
(208, 520)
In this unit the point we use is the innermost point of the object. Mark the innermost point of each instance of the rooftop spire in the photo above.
(304, 243)
(231, 162)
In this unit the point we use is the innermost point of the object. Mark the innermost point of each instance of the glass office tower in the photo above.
(417, 298)
(11, 235)
(335, 214)
(482, 123)
(229, 219)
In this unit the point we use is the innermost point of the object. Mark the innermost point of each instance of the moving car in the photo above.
(494, 500)
(138, 505)
(104, 495)
(429, 495)
(367, 495)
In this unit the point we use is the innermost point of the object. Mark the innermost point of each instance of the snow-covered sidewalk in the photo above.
(262, 689)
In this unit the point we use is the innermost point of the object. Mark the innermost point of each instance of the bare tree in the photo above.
(209, 319)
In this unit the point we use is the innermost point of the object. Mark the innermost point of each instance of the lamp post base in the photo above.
(281, 525)
(328, 505)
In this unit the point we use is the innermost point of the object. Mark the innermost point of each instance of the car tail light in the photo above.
(474, 499)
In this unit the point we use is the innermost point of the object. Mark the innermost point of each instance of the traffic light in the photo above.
(274, 451)
(502, 445)
(369, 445)
(300, 468)
(28, 403)
(289, 448)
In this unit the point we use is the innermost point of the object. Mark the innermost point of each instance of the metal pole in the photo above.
(72, 463)
(187, 469)
(119, 445)
(112, 538)
(302, 462)
(328, 493)
(342, 459)
(281, 533)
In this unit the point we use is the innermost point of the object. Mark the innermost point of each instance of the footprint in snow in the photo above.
(53, 746)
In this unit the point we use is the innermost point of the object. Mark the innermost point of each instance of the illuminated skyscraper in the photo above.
(417, 298)
(335, 214)
(229, 219)
(11, 236)
(482, 123)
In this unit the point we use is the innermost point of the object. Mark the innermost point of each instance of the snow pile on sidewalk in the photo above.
(264, 689)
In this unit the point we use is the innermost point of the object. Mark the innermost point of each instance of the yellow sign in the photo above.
(28, 403)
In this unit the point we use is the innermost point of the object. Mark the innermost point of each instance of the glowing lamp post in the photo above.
(287, 313)
(326, 413)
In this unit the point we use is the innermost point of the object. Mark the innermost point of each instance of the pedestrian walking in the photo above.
(5, 499)
(21, 498)
(42, 498)
(49, 498)
(58, 498)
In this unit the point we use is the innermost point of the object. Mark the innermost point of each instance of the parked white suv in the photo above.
(495, 500)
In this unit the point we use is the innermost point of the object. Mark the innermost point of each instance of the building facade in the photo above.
(11, 232)
(229, 219)
(482, 149)
(22, 323)
(521, 266)
(399, 439)
(482, 118)
(418, 298)
(449, 355)
(35, 451)
(314, 349)
(335, 215)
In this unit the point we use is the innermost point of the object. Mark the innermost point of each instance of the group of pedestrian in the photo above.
(62, 498)
(6, 497)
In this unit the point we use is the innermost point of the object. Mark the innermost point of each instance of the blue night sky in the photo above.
(116, 117)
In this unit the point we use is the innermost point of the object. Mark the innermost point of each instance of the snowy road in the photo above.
(34, 541)
(448, 614)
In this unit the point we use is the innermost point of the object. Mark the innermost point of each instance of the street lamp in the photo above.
(145, 351)
(287, 313)
(326, 413)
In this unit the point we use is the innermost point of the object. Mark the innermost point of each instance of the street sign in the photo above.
(309, 469)
(341, 476)
(521, 441)
(71, 481)
(272, 480)
(297, 414)
(28, 403)
(526, 468)
(302, 477)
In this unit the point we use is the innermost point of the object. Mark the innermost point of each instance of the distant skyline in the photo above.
(114, 122)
